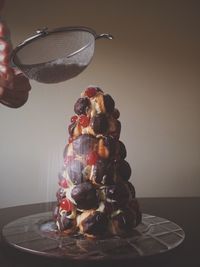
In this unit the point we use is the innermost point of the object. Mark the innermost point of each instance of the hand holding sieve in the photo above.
(52, 56)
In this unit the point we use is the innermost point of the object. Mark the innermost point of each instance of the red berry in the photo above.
(90, 91)
(74, 118)
(65, 204)
(63, 183)
(84, 120)
(92, 158)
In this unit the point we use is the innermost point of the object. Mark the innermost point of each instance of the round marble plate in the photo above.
(36, 234)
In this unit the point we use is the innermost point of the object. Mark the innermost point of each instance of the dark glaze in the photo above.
(122, 150)
(74, 169)
(85, 196)
(64, 222)
(99, 124)
(81, 106)
(109, 103)
(123, 170)
(111, 144)
(84, 144)
(95, 224)
(103, 172)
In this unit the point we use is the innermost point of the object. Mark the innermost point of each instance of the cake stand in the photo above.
(37, 234)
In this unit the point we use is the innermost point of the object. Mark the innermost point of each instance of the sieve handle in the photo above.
(104, 35)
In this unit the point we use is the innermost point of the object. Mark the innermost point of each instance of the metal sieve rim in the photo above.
(42, 33)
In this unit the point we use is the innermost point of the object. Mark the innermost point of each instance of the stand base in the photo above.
(37, 234)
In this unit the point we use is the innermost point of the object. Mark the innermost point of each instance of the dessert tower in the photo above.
(95, 197)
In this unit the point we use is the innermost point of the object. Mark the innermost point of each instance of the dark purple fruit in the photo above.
(110, 207)
(123, 222)
(110, 143)
(122, 150)
(81, 106)
(95, 224)
(99, 171)
(85, 196)
(133, 210)
(99, 123)
(84, 144)
(109, 103)
(117, 192)
(64, 222)
(74, 170)
(117, 131)
(103, 172)
(116, 113)
(131, 189)
(124, 170)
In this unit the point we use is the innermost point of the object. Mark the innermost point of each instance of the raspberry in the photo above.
(90, 91)
(92, 158)
(65, 204)
(63, 183)
(74, 118)
(84, 120)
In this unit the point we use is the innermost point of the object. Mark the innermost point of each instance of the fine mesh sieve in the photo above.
(57, 55)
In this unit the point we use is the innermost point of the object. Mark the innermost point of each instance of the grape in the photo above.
(81, 106)
(99, 124)
(85, 196)
(109, 103)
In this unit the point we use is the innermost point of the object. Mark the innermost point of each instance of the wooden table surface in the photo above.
(183, 211)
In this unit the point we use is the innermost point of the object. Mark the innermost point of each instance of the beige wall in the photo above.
(151, 69)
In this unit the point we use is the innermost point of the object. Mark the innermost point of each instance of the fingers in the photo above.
(17, 95)
(21, 83)
(14, 99)
(14, 82)
(14, 88)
